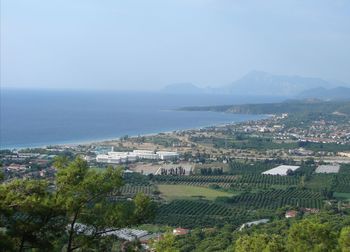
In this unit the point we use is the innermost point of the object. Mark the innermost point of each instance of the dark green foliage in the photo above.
(211, 171)
(237, 168)
(135, 189)
(322, 233)
(273, 199)
(344, 169)
(329, 147)
(279, 108)
(342, 183)
(33, 214)
(251, 181)
(190, 213)
(136, 179)
(196, 180)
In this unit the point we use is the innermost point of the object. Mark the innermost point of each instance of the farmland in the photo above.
(172, 192)
(211, 200)
(196, 180)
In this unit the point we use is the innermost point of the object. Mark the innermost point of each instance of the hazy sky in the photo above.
(130, 44)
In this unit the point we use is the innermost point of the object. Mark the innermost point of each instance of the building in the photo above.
(113, 157)
(116, 157)
(167, 155)
(328, 168)
(282, 170)
(146, 154)
(16, 167)
(128, 234)
(291, 214)
(180, 231)
(124, 233)
(252, 223)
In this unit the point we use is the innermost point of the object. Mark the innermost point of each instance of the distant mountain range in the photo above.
(291, 106)
(338, 93)
(257, 83)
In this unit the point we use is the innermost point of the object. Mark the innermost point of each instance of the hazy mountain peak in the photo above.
(259, 83)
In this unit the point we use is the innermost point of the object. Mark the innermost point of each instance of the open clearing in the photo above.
(172, 192)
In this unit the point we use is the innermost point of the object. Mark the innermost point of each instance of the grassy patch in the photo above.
(320, 181)
(342, 196)
(172, 192)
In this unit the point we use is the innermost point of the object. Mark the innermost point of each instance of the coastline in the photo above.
(73, 143)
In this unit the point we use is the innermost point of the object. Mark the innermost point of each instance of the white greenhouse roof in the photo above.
(281, 170)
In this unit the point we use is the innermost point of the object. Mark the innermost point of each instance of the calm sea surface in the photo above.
(38, 118)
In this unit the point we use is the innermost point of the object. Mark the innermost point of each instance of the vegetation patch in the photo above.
(172, 192)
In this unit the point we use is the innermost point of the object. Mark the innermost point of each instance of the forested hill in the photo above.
(278, 108)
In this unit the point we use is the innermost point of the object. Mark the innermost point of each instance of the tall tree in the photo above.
(74, 212)
(29, 214)
(344, 239)
(259, 243)
(91, 206)
(311, 235)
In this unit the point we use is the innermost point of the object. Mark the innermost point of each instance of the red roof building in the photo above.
(180, 231)
(291, 214)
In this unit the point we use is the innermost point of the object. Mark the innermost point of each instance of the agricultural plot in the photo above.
(255, 196)
(134, 189)
(343, 183)
(237, 168)
(190, 214)
(172, 192)
(274, 199)
(320, 181)
(342, 196)
(344, 169)
(196, 180)
(264, 181)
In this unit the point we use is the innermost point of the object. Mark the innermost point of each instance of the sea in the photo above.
(37, 118)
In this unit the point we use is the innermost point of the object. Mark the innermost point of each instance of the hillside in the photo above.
(278, 108)
(338, 93)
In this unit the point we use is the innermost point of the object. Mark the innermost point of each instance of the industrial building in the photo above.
(113, 157)
(328, 168)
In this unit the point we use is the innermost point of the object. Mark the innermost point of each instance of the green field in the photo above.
(342, 196)
(173, 192)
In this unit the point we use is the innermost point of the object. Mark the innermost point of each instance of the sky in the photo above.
(145, 45)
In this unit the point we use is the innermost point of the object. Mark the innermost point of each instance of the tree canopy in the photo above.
(73, 212)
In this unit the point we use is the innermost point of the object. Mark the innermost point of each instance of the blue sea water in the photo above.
(32, 118)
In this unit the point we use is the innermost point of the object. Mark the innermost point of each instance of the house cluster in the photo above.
(322, 132)
(113, 157)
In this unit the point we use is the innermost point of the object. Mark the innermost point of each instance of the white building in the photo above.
(122, 157)
(116, 157)
(146, 154)
(281, 170)
(167, 155)
(252, 223)
(328, 168)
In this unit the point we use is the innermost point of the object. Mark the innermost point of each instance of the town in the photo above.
(243, 175)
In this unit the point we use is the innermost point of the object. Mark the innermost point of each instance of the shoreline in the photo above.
(104, 140)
